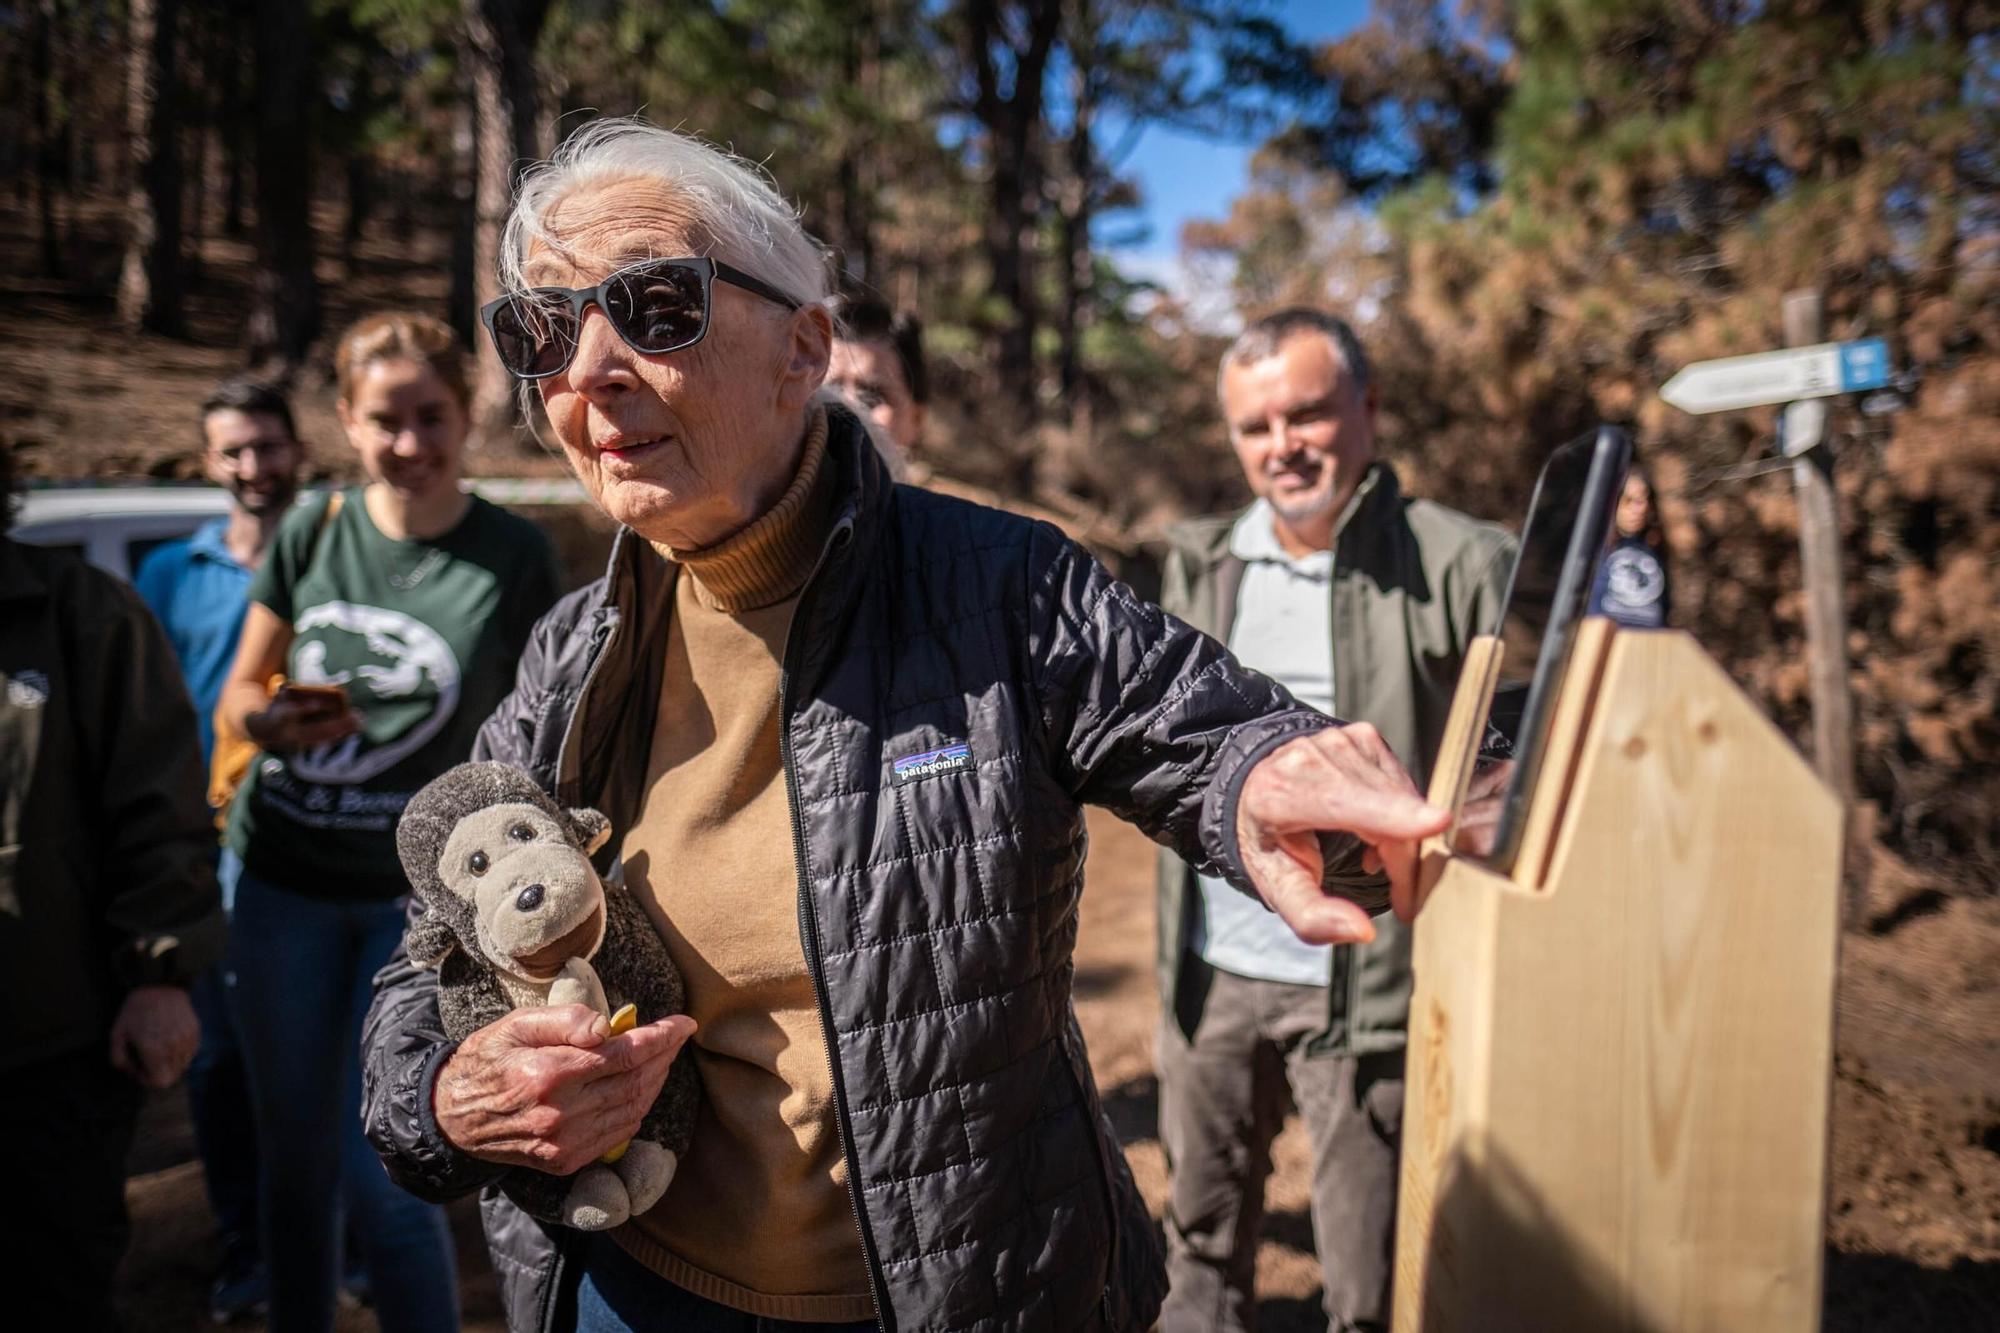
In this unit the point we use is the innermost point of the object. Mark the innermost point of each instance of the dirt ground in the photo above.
(1914, 1202)
(1914, 1221)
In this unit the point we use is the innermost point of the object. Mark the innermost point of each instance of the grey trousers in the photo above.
(1223, 1099)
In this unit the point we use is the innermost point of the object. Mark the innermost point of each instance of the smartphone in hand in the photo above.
(318, 699)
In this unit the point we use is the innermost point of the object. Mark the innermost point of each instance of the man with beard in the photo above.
(1345, 591)
(199, 589)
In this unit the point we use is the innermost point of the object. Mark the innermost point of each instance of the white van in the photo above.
(114, 527)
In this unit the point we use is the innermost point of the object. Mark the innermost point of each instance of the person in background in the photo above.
(1352, 596)
(398, 610)
(198, 588)
(878, 362)
(1632, 586)
(108, 912)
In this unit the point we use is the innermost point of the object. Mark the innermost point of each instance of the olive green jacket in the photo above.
(1413, 583)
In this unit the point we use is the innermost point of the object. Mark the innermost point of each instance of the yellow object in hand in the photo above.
(622, 1022)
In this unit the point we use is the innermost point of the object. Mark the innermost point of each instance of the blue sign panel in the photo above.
(1864, 364)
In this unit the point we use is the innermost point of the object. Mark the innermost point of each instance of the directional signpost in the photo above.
(1763, 378)
(1798, 376)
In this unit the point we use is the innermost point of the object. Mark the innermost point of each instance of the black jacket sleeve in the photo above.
(159, 907)
(403, 1046)
(1152, 719)
(403, 1042)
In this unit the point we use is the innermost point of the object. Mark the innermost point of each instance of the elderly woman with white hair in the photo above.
(844, 730)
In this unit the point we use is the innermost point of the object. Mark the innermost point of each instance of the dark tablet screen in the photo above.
(1569, 524)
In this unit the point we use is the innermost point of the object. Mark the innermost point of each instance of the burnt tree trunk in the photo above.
(1079, 192)
(501, 35)
(861, 64)
(149, 283)
(231, 112)
(197, 179)
(1008, 106)
(284, 304)
(360, 204)
(464, 298)
(48, 142)
(1079, 282)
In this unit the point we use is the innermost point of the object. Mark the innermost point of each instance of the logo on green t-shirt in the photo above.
(399, 673)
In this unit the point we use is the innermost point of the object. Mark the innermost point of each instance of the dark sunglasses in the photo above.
(656, 305)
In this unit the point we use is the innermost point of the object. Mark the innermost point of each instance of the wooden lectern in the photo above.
(1620, 1050)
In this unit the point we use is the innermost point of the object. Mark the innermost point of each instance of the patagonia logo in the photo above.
(954, 758)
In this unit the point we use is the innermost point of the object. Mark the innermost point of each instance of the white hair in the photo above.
(737, 214)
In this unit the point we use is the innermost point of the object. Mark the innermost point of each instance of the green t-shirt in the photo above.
(424, 636)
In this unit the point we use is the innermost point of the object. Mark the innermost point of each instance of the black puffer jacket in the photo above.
(107, 849)
(938, 906)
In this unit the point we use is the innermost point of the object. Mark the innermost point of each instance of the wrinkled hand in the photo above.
(299, 722)
(551, 1088)
(155, 1035)
(1343, 779)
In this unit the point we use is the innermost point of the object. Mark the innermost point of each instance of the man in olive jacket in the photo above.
(1346, 592)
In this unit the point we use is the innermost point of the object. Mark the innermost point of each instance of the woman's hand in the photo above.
(551, 1088)
(1341, 780)
(299, 720)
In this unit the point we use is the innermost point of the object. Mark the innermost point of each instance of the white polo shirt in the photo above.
(1283, 628)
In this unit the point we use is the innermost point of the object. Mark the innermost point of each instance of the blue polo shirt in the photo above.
(200, 594)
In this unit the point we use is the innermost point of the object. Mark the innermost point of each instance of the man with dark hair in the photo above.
(108, 910)
(199, 589)
(878, 362)
(1340, 588)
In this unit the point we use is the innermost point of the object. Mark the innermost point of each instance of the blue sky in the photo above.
(1183, 176)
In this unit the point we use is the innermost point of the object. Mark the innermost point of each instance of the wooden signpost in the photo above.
(1620, 1051)
(1802, 376)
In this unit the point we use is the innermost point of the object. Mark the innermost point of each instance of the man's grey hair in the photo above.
(737, 214)
(1262, 338)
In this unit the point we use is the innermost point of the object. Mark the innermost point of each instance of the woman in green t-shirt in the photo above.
(396, 612)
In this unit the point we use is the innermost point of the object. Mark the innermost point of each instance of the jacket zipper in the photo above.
(603, 634)
(809, 934)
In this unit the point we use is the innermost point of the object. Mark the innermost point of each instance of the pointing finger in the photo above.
(1388, 816)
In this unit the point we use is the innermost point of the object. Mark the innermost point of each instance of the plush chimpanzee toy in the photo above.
(512, 914)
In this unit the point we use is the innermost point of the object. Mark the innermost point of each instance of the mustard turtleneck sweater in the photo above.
(758, 1216)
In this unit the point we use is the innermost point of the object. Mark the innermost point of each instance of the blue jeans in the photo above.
(219, 1099)
(618, 1294)
(304, 974)
(219, 1107)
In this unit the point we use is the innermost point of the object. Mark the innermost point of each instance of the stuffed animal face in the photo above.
(536, 901)
(501, 872)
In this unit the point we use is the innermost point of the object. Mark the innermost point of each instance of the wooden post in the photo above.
(1826, 613)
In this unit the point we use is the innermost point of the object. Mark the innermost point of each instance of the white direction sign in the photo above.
(1818, 371)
